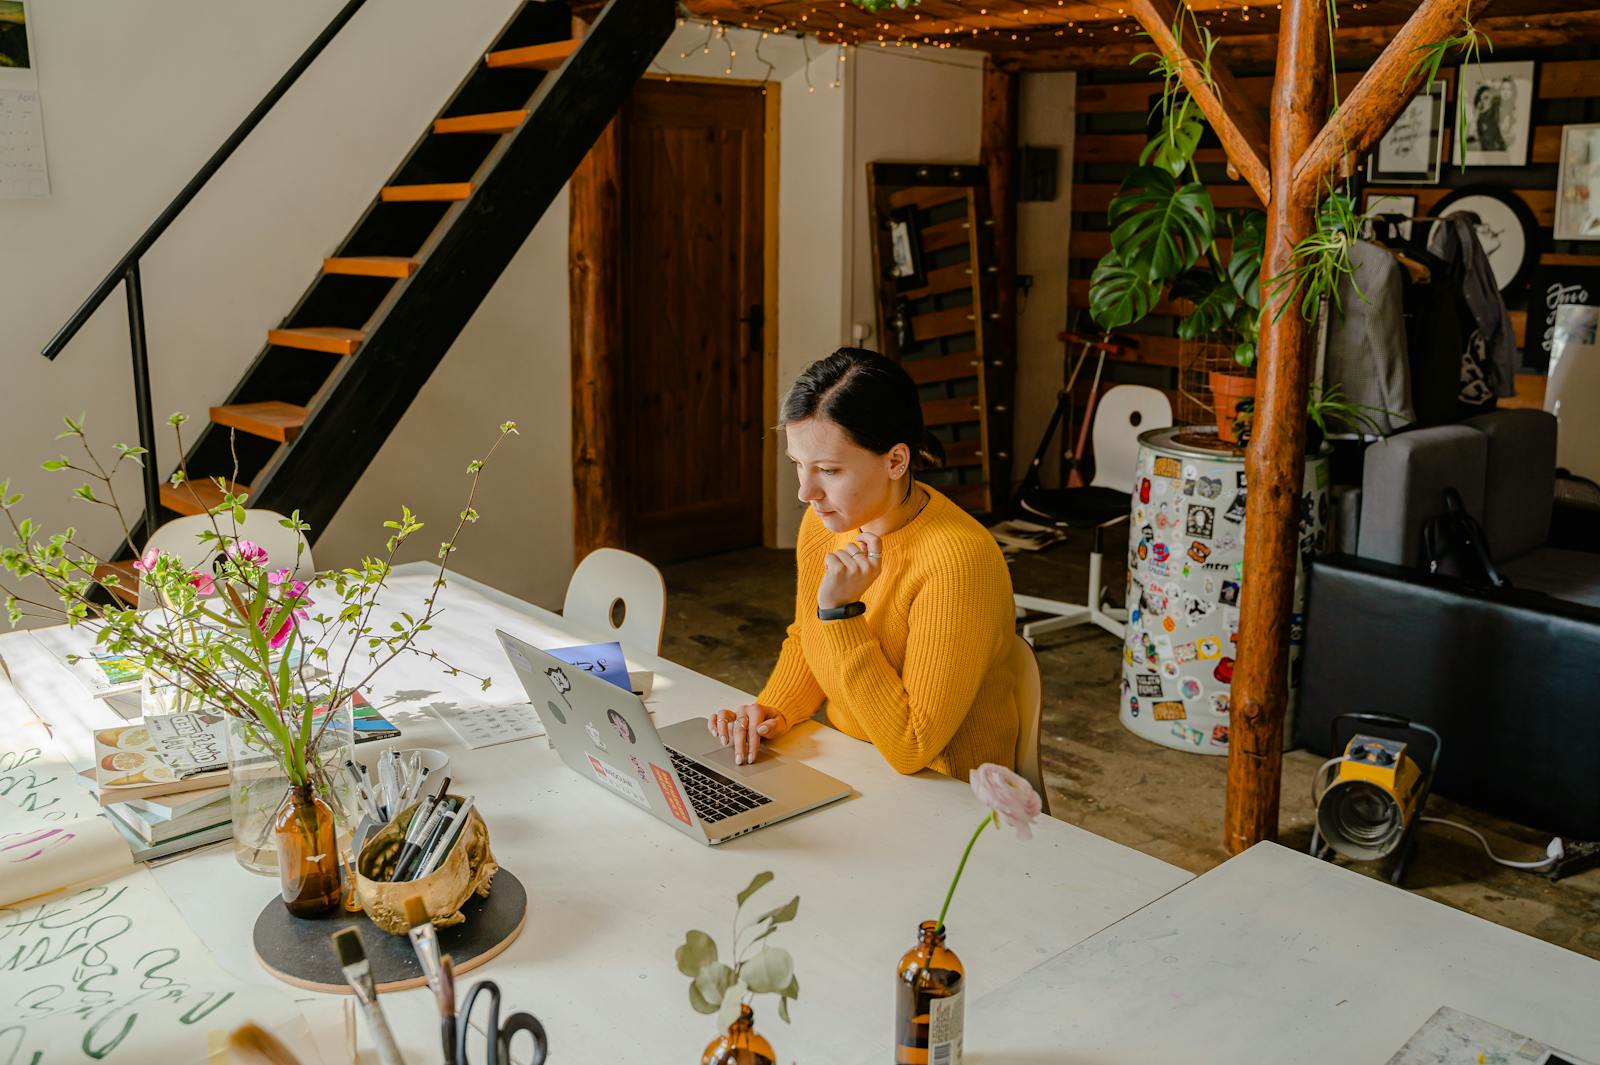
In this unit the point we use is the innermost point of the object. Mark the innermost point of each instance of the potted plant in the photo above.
(238, 638)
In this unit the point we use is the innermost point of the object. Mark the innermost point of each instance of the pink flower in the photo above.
(203, 582)
(147, 561)
(248, 551)
(278, 576)
(295, 591)
(1008, 795)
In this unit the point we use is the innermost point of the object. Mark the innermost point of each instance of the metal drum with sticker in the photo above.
(1185, 575)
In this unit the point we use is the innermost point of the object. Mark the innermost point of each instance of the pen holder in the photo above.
(467, 869)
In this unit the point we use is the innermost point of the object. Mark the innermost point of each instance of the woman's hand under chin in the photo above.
(850, 571)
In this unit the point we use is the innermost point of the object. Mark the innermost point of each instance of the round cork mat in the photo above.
(299, 950)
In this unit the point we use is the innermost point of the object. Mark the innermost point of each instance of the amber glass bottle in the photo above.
(928, 1006)
(308, 858)
(740, 1045)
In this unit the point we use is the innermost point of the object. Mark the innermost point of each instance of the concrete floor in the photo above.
(726, 616)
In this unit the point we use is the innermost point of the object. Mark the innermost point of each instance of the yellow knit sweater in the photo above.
(923, 674)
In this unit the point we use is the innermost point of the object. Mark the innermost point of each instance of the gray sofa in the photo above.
(1510, 677)
(1503, 464)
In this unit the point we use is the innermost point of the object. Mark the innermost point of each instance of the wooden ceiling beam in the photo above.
(1352, 44)
(1378, 98)
(1237, 123)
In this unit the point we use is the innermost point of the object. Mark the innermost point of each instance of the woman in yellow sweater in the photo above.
(903, 609)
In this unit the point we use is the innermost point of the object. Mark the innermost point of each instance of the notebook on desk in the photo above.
(681, 775)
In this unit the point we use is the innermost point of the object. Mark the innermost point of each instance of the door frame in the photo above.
(595, 259)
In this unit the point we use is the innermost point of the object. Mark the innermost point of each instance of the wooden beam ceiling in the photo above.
(1038, 35)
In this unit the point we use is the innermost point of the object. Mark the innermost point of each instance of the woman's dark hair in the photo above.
(871, 398)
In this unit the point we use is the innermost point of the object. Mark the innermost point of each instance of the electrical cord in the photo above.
(1553, 853)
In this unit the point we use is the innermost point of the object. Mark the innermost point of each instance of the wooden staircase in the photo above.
(339, 371)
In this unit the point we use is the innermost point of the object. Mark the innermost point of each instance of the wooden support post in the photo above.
(595, 294)
(1275, 462)
(1378, 98)
(1219, 97)
(998, 153)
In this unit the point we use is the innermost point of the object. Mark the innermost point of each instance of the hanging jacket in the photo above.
(1491, 349)
(1366, 341)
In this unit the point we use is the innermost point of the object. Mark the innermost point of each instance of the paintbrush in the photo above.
(249, 1044)
(425, 941)
(358, 972)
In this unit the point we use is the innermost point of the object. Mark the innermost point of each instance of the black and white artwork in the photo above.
(1411, 150)
(1497, 100)
(905, 246)
(1505, 227)
(1549, 289)
(1578, 184)
(1383, 203)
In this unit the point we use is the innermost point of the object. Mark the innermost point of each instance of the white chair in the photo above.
(1029, 694)
(181, 537)
(1121, 415)
(619, 593)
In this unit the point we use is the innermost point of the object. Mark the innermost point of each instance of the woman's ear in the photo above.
(899, 461)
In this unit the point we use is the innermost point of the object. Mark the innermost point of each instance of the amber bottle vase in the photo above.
(928, 1002)
(308, 856)
(740, 1044)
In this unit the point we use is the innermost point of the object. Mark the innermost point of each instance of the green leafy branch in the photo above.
(719, 987)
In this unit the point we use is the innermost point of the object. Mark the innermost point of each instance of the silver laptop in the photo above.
(681, 774)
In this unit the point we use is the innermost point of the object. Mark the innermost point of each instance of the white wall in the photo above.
(1047, 119)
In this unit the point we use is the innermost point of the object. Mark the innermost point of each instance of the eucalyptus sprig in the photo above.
(722, 987)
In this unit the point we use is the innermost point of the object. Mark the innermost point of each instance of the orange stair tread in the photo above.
(537, 56)
(443, 192)
(272, 419)
(370, 265)
(196, 496)
(332, 339)
(490, 122)
(127, 586)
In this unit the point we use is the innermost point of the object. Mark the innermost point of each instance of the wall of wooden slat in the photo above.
(1113, 109)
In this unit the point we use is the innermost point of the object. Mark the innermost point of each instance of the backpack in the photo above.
(1454, 541)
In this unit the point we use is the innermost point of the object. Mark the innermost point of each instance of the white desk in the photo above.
(612, 892)
(1276, 957)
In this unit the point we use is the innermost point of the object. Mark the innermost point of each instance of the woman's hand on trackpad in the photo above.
(744, 729)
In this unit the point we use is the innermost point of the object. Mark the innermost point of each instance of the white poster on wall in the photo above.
(22, 158)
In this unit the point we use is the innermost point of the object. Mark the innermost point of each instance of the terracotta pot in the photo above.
(1228, 390)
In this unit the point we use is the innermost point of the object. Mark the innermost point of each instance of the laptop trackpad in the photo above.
(721, 759)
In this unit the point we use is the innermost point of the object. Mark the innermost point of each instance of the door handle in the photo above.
(755, 320)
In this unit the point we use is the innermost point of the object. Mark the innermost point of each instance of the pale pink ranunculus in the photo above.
(147, 561)
(248, 551)
(1008, 795)
(203, 582)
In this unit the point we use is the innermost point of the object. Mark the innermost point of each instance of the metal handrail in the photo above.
(127, 268)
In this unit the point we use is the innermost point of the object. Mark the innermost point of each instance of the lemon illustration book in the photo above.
(130, 764)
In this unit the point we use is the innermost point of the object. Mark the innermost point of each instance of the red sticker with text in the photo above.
(669, 791)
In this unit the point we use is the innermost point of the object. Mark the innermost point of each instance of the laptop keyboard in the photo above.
(713, 796)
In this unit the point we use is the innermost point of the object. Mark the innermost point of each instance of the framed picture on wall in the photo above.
(1383, 203)
(1497, 99)
(1578, 184)
(905, 246)
(1549, 289)
(1411, 151)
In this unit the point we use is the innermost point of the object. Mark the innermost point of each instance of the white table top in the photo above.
(612, 892)
(1274, 956)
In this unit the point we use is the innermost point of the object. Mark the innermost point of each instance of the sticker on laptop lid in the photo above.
(669, 791)
(618, 782)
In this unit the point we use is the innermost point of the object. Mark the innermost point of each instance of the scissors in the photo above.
(498, 1036)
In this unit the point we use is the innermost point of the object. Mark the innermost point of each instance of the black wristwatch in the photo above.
(839, 613)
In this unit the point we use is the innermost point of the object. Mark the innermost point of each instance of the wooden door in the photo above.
(692, 318)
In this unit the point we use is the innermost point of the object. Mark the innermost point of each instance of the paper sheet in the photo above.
(111, 973)
(485, 726)
(1451, 1037)
(22, 158)
(39, 855)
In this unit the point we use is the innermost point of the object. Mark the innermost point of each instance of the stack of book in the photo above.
(164, 783)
